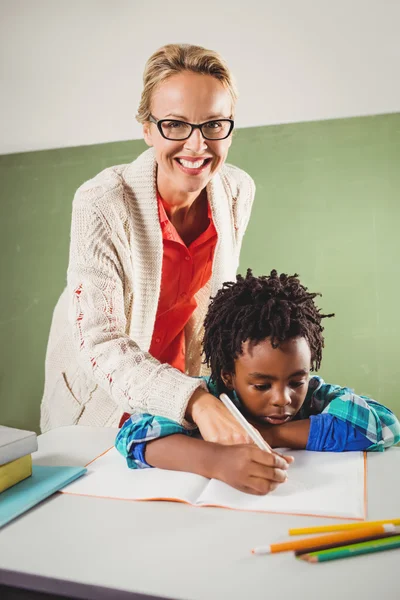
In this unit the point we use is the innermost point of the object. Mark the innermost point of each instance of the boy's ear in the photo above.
(227, 378)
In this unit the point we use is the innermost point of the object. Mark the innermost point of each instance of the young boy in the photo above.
(263, 336)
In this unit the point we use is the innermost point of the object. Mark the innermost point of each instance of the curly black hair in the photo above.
(255, 308)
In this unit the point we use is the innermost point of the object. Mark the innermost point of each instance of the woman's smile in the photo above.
(193, 165)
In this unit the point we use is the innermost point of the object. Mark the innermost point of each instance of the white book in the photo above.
(15, 443)
(325, 484)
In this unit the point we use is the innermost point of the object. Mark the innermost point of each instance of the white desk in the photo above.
(172, 550)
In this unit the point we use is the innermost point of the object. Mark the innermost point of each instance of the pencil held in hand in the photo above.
(253, 433)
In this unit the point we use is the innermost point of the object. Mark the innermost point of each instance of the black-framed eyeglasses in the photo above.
(174, 130)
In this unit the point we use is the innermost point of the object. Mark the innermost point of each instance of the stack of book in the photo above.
(23, 484)
(16, 447)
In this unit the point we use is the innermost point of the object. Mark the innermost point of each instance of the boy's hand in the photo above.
(249, 469)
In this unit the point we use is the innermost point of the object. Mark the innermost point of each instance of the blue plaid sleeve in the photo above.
(139, 429)
(373, 420)
(330, 434)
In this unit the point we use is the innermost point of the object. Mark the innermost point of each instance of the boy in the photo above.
(263, 336)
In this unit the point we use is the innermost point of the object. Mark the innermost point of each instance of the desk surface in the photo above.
(173, 550)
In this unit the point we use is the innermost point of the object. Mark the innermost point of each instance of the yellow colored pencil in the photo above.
(322, 540)
(341, 527)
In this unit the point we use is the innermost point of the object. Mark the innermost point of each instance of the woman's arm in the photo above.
(135, 380)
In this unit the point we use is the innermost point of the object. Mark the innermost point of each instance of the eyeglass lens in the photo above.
(178, 130)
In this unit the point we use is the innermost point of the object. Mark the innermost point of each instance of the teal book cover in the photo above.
(43, 482)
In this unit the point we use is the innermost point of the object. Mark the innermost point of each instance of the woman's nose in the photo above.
(196, 142)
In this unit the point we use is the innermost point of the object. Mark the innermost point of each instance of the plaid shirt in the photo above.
(334, 412)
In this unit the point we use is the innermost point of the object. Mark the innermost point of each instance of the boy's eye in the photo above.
(262, 387)
(296, 384)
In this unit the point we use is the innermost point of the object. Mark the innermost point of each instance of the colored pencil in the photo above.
(323, 540)
(352, 550)
(368, 538)
(253, 433)
(340, 527)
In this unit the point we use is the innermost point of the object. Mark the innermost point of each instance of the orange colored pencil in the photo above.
(323, 540)
(332, 545)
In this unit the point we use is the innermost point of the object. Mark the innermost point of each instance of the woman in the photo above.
(151, 242)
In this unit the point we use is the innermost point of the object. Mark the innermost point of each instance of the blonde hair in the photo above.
(175, 58)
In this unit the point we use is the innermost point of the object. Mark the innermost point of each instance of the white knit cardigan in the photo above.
(97, 361)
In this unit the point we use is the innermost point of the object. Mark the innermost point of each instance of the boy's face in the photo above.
(272, 383)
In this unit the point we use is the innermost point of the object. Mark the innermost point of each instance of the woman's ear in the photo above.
(147, 133)
(227, 378)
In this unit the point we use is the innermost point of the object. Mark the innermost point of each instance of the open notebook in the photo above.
(324, 484)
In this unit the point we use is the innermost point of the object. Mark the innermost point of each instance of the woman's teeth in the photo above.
(191, 165)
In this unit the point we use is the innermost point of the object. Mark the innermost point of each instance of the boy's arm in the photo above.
(293, 435)
(180, 453)
(347, 422)
(138, 431)
(369, 418)
(244, 467)
(320, 433)
(148, 441)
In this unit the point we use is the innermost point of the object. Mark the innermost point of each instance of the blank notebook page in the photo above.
(319, 483)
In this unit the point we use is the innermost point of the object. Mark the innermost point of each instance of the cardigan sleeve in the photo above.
(136, 381)
(242, 190)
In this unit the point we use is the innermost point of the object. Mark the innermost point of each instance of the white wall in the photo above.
(71, 70)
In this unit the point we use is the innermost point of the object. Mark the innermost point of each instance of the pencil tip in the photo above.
(302, 556)
(313, 559)
(260, 551)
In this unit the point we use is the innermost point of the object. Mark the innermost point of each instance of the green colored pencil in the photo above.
(312, 548)
(352, 550)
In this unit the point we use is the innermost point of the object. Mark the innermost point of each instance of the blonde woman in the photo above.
(151, 243)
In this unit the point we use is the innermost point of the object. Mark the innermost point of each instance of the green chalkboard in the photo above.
(327, 207)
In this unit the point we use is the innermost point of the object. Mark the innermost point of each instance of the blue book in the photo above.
(43, 482)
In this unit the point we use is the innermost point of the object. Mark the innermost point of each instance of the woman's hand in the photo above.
(214, 421)
(216, 424)
(249, 469)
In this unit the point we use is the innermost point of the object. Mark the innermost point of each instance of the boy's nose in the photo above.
(281, 398)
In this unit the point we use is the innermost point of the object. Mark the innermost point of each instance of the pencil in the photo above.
(340, 527)
(323, 540)
(255, 435)
(367, 538)
(352, 550)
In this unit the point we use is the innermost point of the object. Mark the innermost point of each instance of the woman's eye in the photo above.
(262, 387)
(173, 124)
(213, 125)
